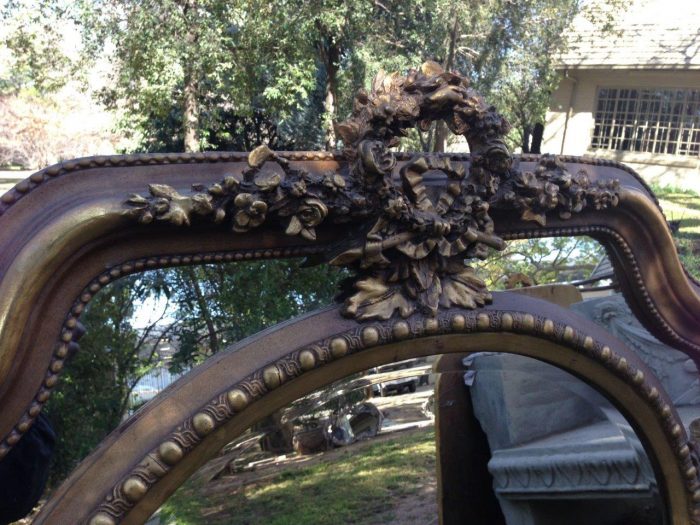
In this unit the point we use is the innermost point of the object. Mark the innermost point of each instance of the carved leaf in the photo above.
(268, 180)
(309, 234)
(464, 289)
(259, 156)
(176, 216)
(529, 215)
(202, 204)
(137, 200)
(348, 132)
(164, 191)
(375, 300)
(294, 227)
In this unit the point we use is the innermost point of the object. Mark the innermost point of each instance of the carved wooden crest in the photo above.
(411, 240)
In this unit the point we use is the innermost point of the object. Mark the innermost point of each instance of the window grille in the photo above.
(648, 120)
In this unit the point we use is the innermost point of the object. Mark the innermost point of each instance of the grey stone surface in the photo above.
(675, 370)
(518, 399)
(560, 452)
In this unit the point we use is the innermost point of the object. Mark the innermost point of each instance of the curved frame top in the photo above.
(64, 235)
(403, 224)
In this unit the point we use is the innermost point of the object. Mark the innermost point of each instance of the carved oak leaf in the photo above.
(375, 299)
(464, 289)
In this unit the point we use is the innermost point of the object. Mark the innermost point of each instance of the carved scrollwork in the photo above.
(411, 238)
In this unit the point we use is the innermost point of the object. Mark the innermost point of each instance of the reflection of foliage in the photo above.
(220, 304)
(544, 261)
(93, 393)
(208, 308)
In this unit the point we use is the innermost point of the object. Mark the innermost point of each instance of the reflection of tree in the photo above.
(94, 392)
(543, 261)
(201, 310)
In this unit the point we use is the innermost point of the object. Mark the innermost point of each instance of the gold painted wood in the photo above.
(138, 466)
(404, 223)
(63, 237)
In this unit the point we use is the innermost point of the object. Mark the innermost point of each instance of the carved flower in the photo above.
(333, 182)
(298, 188)
(251, 213)
(267, 180)
(309, 215)
(166, 204)
(396, 208)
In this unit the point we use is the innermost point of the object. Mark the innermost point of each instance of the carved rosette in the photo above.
(412, 236)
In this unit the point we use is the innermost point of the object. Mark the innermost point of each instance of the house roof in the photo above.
(649, 34)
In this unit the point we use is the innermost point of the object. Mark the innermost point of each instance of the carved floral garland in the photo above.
(411, 238)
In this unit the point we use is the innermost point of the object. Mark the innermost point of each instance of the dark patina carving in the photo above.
(411, 239)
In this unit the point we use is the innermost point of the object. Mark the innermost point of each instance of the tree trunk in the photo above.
(190, 113)
(190, 104)
(204, 309)
(329, 53)
(441, 130)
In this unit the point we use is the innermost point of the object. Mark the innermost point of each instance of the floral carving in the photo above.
(269, 187)
(413, 257)
(552, 188)
(309, 215)
(251, 212)
(409, 235)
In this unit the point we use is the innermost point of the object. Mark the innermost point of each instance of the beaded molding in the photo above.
(224, 406)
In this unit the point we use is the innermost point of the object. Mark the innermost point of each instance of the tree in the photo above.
(93, 394)
(218, 305)
(541, 261)
(42, 105)
(204, 310)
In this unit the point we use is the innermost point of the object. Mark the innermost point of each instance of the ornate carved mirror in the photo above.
(405, 225)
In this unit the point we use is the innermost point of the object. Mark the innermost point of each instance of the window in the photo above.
(649, 120)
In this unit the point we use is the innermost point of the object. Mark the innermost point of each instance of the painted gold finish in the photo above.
(339, 347)
(401, 330)
(672, 319)
(459, 322)
(307, 359)
(102, 519)
(410, 253)
(203, 423)
(370, 336)
(134, 489)
(237, 399)
(271, 377)
(170, 452)
(245, 367)
(64, 236)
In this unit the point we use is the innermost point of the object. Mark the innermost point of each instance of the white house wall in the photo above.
(570, 121)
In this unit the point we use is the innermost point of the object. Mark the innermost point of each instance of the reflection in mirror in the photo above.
(496, 437)
(517, 441)
(144, 331)
(361, 450)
